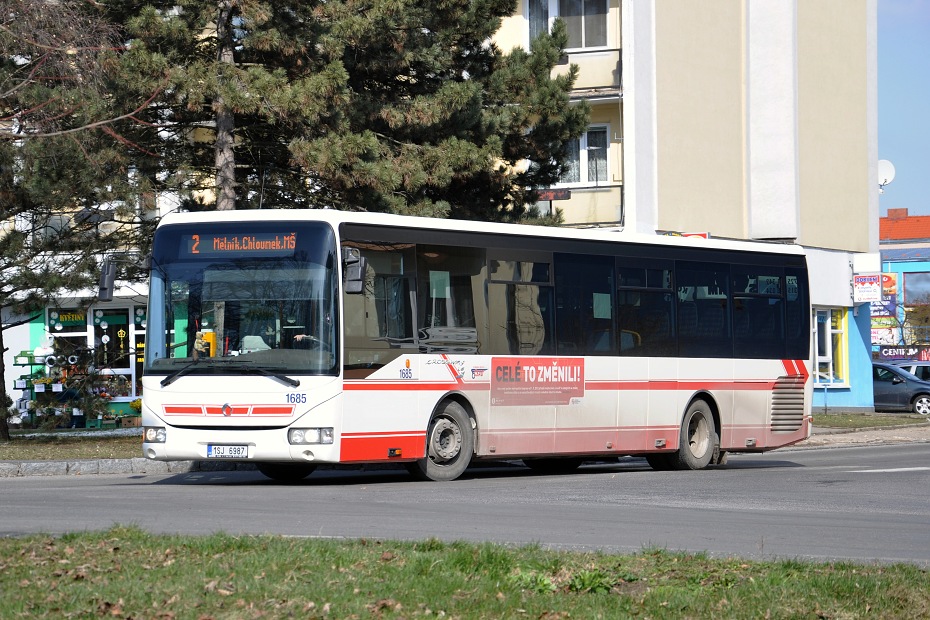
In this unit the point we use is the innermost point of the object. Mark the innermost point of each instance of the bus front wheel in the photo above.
(698, 440)
(450, 443)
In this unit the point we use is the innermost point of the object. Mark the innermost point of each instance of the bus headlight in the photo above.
(301, 436)
(154, 434)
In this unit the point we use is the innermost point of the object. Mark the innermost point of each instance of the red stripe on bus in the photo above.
(402, 385)
(378, 446)
(272, 410)
(238, 410)
(455, 373)
(183, 410)
(707, 384)
(740, 385)
(796, 368)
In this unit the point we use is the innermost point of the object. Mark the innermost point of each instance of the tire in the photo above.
(698, 440)
(554, 465)
(921, 404)
(286, 472)
(450, 444)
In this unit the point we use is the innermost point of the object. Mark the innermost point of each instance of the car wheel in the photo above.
(921, 404)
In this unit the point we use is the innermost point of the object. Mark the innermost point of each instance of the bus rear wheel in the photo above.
(699, 440)
(286, 472)
(450, 444)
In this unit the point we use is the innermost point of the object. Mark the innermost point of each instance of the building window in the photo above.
(916, 288)
(586, 159)
(586, 20)
(831, 362)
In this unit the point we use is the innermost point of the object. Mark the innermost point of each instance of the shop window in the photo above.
(831, 361)
(916, 288)
(111, 341)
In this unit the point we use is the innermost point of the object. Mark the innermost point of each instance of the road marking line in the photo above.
(887, 471)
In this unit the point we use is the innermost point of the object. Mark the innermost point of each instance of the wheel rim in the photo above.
(445, 441)
(698, 435)
(922, 405)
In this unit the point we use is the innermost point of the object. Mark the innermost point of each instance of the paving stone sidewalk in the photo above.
(912, 433)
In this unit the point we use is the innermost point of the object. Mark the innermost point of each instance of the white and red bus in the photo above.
(296, 338)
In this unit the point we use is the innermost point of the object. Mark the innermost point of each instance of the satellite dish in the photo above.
(885, 173)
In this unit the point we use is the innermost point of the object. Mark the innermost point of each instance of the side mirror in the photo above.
(354, 266)
(107, 280)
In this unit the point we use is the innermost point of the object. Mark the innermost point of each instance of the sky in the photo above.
(904, 103)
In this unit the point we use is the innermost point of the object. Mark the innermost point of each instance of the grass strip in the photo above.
(58, 447)
(865, 420)
(127, 573)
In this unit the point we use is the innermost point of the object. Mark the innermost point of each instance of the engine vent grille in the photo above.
(788, 404)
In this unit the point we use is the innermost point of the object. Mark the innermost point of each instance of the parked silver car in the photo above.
(921, 370)
(896, 389)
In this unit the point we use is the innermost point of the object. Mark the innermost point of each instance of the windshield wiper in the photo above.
(180, 372)
(248, 366)
(276, 375)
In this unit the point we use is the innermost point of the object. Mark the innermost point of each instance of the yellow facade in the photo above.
(751, 119)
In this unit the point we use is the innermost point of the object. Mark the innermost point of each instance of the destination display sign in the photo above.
(259, 244)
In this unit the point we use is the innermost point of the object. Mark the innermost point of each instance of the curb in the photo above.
(14, 469)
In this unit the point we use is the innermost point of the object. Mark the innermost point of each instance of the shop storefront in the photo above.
(84, 365)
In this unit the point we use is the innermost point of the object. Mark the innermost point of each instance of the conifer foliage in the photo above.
(403, 106)
(66, 192)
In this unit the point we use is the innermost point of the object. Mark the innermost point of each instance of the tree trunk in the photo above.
(225, 157)
(4, 413)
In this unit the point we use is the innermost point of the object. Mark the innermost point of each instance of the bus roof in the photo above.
(335, 218)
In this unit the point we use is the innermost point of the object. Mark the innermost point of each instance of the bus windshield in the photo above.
(241, 297)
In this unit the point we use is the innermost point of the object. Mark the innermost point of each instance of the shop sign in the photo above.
(554, 194)
(918, 352)
(867, 288)
(60, 319)
(890, 285)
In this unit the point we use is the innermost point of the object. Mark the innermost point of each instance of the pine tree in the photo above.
(66, 188)
(401, 106)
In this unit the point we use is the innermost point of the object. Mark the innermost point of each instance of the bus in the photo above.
(297, 338)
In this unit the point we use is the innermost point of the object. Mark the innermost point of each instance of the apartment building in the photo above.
(748, 119)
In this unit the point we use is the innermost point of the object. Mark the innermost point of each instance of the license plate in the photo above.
(227, 452)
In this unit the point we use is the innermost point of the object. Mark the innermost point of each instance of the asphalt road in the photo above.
(859, 503)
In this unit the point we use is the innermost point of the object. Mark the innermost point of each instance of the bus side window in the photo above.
(378, 322)
(644, 307)
(758, 312)
(585, 320)
(703, 310)
(521, 303)
(449, 280)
